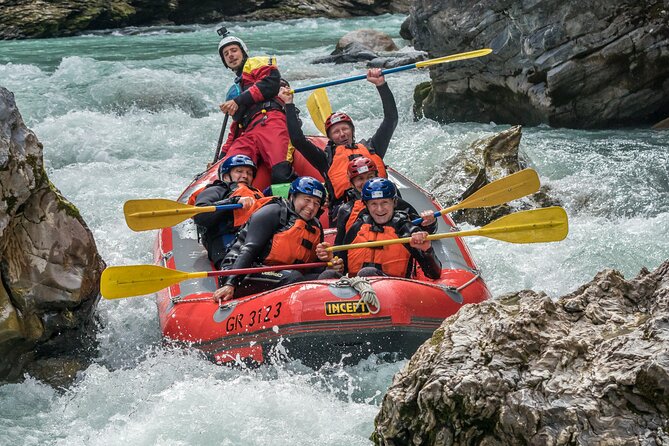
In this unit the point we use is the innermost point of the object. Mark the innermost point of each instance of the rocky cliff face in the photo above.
(589, 368)
(49, 264)
(29, 18)
(585, 64)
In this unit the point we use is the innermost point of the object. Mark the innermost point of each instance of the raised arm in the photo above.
(310, 151)
(381, 139)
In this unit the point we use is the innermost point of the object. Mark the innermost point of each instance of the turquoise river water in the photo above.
(133, 114)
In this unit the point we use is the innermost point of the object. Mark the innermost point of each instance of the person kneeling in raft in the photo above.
(282, 232)
(217, 230)
(359, 171)
(382, 221)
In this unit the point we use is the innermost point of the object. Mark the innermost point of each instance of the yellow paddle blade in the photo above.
(454, 57)
(533, 226)
(156, 213)
(511, 187)
(136, 280)
(319, 107)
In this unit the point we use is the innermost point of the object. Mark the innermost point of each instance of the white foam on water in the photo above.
(133, 114)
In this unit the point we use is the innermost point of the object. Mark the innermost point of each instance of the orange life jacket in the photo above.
(391, 259)
(297, 244)
(338, 171)
(241, 216)
(358, 206)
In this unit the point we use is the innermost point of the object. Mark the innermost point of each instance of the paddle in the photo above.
(156, 213)
(319, 108)
(511, 187)
(533, 226)
(217, 153)
(136, 280)
(425, 63)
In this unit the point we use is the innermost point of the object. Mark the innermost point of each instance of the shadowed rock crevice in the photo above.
(591, 367)
(49, 264)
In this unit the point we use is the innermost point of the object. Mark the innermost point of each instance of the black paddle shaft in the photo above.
(220, 138)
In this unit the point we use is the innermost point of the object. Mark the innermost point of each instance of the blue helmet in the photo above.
(308, 186)
(378, 188)
(236, 161)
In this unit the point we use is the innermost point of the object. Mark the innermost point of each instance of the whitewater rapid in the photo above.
(133, 114)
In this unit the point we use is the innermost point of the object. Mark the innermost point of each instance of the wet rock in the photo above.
(662, 125)
(589, 368)
(585, 64)
(371, 38)
(397, 59)
(405, 29)
(49, 263)
(353, 52)
(485, 161)
(361, 45)
(29, 19)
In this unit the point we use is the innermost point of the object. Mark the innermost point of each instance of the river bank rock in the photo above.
(22, 19)
(483, 162)
(49, 263)
(579, 64)
(589, 368)
(375, 47)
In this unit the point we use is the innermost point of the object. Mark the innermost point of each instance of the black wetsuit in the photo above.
(254, 243)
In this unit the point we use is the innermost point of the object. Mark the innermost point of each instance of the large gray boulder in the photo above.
(578, 64)
(49, 263)
(484, 161)
(523, 369)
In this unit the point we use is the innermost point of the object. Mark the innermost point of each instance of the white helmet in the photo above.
(229, 40)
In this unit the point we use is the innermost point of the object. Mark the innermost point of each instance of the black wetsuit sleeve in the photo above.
(381, 139)
(428, 260)
(310, 151)
(214, 196)
(343, 215)
(268, 86)
(259, 232)
(406, 207)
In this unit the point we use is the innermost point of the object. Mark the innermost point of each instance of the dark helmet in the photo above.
(360, 165)
(308, 186)
(335, 118)
(231, 40)
(236, 161)
(378, 188)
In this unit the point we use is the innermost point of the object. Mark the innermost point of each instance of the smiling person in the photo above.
(282, 232)
(217, 230)
(259, 122)
(342, 147)
(382, 221)
(360, 170)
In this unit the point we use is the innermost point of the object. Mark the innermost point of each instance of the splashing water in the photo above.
(133, 114)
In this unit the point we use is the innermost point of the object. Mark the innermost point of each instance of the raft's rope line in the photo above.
(477, 275)
(364, 288)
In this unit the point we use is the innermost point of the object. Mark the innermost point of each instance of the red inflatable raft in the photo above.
(315, 321)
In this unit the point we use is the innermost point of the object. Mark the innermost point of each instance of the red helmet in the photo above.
(360, 165)
(335, 118)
